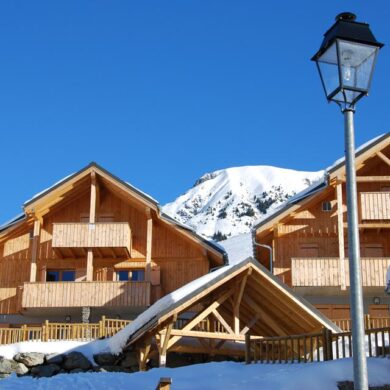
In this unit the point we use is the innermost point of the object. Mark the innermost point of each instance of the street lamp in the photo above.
(346, 61)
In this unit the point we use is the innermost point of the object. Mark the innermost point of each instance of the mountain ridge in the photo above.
(227, 202)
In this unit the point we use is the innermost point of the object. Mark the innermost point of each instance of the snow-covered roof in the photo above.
(150, 317)
(90, 165)
(361, 149)
(12, 221)
(142, 194)
(317, 186)
(309, 191)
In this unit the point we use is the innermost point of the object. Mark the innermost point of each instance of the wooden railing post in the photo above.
(247, 348)
(329, 338)
(367, 321)
(45, 331)
(24, 333)
(104, 327)
(101, 329)
(327, 344)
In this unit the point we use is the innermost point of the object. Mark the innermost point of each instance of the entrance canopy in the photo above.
(213, 314)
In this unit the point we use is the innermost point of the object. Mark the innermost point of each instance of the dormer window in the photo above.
(326, 206)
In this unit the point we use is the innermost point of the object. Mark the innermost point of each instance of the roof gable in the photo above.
(333, 172)
(40, 204)
(263, 295)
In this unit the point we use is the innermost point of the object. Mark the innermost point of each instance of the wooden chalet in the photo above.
(308, 235)
(94, 241)
(213, 314)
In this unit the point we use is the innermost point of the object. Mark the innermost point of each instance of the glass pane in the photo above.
(138, 275)
(357, 64)
(350, 96)
(52, 276)
(122, 275)
(68, 276)
(327, 64)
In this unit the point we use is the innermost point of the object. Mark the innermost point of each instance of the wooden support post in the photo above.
(89, 265)
(144, 354)
(149, 238)
(247, 348)
(164, 343)
(92, 221)
(237, 302)
(340, 229)
(92, 208)
(327, 344)
(35, 250)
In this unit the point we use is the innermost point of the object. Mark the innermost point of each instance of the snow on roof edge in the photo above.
(12, 221)
(311, 190)
(362, 148)
(166, 304)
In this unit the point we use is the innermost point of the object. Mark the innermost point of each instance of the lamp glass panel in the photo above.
(357, 63)
(346, 96)
(328, 66)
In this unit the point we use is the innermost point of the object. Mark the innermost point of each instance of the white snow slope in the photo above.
(215, 376)
(230, 200)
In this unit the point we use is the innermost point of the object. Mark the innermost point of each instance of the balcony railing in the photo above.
(79, 294)
(114, 236)
(375, 206)
(325, 272)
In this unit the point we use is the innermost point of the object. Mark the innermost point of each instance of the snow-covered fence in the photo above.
(57, 331)
(311, 347)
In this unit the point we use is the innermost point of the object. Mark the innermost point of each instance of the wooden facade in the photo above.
(309, 237)
(110, 239)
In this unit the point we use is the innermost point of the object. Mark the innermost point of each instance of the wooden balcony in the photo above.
(79, 294)
(325, 272)
(375, 206)
(105, 239)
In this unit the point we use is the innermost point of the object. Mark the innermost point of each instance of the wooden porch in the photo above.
(79, 294)
(111, 239)
(325, 272)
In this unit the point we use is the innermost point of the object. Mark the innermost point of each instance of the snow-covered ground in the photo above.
(230, 200)
(215, 376)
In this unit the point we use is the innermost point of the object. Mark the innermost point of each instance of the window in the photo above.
(60, 275)
(137, 275)
(326, 206)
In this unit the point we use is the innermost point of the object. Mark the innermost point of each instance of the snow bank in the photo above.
(58, 347)
(216, 376)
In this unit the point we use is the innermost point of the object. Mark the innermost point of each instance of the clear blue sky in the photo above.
(160, 92)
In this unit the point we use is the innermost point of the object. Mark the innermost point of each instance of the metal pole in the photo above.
(356, 296)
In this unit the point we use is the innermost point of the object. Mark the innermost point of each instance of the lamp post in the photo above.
(346, 61)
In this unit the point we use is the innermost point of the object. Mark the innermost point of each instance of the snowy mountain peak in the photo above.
(227, 202)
